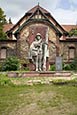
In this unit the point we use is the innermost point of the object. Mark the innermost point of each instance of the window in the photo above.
(71, 52)
(3, 53)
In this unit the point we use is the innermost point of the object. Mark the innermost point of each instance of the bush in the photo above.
(66, 67)
(11, 64)
(74, 64)
(71, 66)
(52, 68)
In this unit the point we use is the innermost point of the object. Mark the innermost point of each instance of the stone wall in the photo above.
(52, 48)
(10, 47)
(65, 50)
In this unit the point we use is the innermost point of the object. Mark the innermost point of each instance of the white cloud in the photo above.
(17, 8)
(73, 1)
(66, 16)
(73, 4)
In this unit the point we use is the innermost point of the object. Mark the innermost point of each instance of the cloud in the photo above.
(73, 5)
(64, 4)
(65, 16)
(63, 10)
(73, 1)
(17, 8)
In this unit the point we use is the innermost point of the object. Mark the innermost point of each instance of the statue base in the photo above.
(32, 66)
(40, 74)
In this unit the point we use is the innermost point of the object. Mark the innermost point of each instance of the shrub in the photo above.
(74, 64)
(66, 67)
(71, 66)
(52, 67)
(11, 64)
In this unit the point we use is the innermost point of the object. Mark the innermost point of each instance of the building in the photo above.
(22, 34)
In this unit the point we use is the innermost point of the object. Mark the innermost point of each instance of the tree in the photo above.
(2, 22)
(73, 32)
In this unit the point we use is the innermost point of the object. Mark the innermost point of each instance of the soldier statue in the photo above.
(37, 52)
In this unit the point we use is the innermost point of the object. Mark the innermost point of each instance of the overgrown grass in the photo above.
(38, 100)
(4, 80)
(41, 97)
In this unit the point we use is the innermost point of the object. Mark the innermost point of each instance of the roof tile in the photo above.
(7, 27)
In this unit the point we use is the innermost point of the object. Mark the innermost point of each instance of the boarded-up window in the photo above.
(3, 53)
(71, 52)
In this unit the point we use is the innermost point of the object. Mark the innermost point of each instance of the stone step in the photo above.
(39, 74)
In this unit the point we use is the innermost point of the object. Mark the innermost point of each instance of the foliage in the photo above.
(52, 67)
(11, 64)
(70, 66)
(3, 21)
(73, 81)
(26, 68)
(4, 80)
(73, 32)
(2, 17)
(66, 67)
(74, 64)
(59, 81)
(1, 65)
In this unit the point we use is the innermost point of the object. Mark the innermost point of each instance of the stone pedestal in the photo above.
(40, 74)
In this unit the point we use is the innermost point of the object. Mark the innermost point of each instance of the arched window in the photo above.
(72, 52)
(3, 53)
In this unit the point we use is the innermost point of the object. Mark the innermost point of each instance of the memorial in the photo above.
(39, 41)
(39, 52)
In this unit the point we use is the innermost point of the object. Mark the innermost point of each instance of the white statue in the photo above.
(37, 53)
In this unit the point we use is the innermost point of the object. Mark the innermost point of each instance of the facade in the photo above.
(23, 33)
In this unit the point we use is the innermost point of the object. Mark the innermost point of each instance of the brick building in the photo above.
(22, 34)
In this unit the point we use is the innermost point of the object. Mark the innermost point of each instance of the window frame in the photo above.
(69, 52)
(3, 48)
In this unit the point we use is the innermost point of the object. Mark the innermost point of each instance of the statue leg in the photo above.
(37, 63)
(40, 63)
(44, 64)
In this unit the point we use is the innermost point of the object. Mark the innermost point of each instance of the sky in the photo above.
(64, 11)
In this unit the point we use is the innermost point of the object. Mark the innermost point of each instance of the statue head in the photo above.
(38, 36)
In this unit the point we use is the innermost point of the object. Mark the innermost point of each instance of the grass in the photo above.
(39, 97)
(38, 100)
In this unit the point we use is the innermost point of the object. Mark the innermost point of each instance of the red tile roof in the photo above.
(7, 27)
(69, 27)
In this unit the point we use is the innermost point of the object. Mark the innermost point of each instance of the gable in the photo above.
(38, 15)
